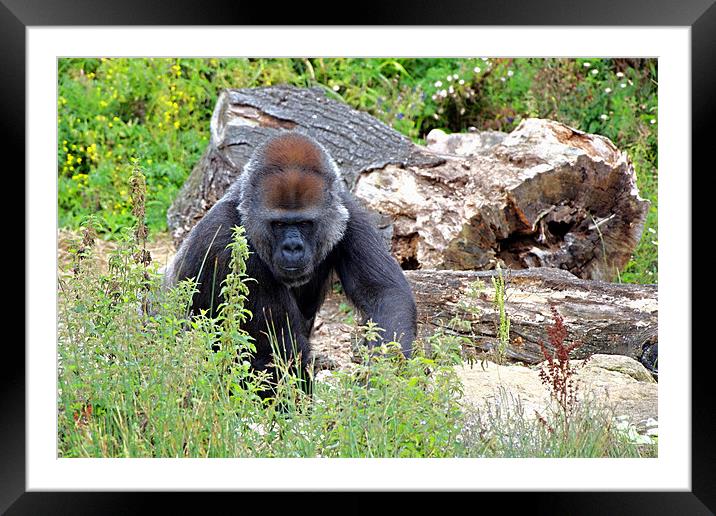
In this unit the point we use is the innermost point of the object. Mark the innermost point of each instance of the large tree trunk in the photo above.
(245, 118)
(605, 317)
(545, 195)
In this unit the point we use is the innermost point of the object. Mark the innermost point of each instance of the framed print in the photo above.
(48, 42)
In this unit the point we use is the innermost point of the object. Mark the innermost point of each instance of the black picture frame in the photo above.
(699, 15)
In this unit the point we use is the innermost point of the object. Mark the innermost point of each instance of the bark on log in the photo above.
(545, 195)
(607, 318)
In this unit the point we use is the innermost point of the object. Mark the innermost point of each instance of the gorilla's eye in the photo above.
(305, 224)
(278, 224)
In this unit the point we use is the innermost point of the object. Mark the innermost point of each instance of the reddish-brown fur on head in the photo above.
(294, 173)
(293, 189)
(293, 150)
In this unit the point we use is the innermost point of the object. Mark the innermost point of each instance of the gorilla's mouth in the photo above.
(294, 275)
(294, 278)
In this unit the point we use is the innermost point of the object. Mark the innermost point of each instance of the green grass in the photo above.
(157, 111)
(137, 378)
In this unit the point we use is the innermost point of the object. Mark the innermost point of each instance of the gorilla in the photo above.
(302, 226)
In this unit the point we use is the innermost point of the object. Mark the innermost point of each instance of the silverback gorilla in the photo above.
(301, 225)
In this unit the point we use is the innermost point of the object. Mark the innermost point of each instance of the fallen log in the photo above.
(545, 195)
(245, 118)
(608, 318)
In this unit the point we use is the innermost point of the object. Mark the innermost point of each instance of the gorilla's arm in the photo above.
(373, 280)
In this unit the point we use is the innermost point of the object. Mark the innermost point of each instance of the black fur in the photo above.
(371, 278)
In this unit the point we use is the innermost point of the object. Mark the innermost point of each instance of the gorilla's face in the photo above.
(293, 249)
(292, 207)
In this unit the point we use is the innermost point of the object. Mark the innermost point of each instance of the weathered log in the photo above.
(608, 318)
(545, 195)
(245, 118)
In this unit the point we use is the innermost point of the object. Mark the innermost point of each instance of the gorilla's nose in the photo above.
(293, 250)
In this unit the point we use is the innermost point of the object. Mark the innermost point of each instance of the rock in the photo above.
(636, 401)
(620, 364)
(482, 380)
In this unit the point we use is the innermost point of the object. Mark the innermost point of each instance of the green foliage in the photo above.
(157, 110)
(503, 321)
(136, 382)
(347, 311)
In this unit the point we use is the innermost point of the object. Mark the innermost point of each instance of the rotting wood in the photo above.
(609, 318)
